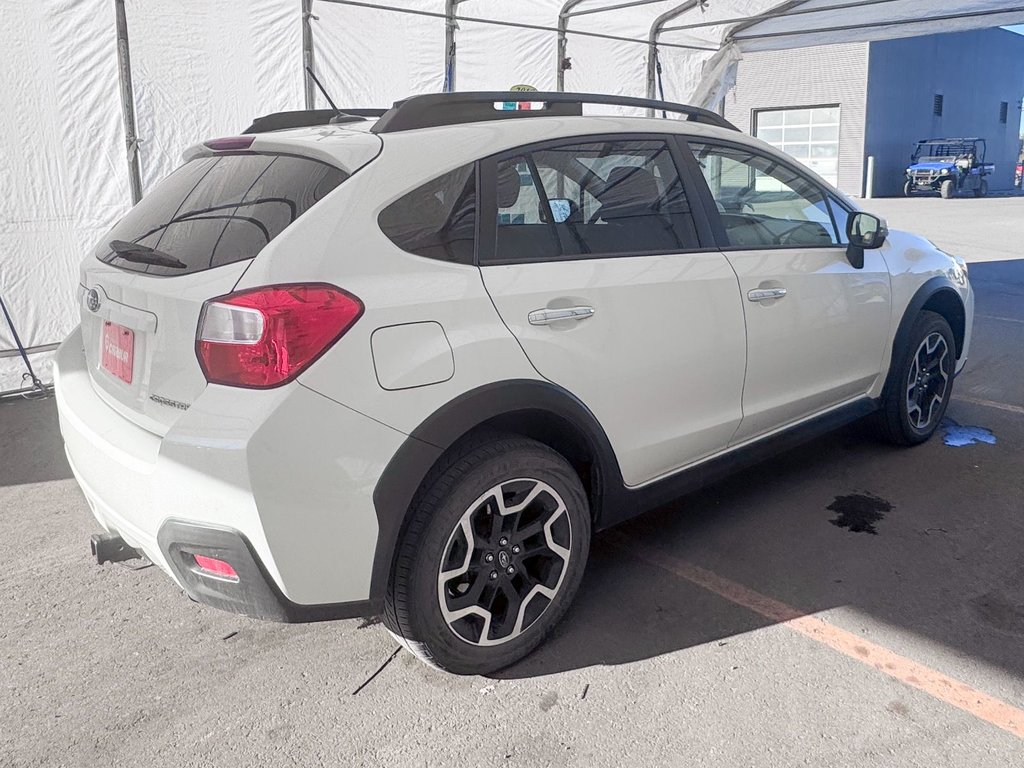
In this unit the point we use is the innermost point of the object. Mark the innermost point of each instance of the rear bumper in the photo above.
(282, 479)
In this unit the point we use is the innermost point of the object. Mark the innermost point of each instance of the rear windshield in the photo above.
(216, 210)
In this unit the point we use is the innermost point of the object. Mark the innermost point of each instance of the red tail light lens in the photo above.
(265, 337)
(215, 567)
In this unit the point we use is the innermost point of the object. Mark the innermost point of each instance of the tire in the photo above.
(982, 189)
(543, 542)
(947, 189)
(908, 188)
(920, 384)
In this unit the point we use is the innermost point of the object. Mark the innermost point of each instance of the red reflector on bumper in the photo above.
(215, 567)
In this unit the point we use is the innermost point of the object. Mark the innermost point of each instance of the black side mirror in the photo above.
(863, 231)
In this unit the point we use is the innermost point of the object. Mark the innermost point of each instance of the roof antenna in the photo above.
(309, 71)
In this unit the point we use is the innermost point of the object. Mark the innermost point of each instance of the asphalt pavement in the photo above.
(843, 604)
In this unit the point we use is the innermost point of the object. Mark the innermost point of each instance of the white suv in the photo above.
(407, 362)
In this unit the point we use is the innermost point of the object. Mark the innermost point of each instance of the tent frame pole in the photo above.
(652, 45)
(309, 89)
(124, 71)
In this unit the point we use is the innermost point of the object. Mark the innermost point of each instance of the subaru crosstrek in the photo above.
(406, 362)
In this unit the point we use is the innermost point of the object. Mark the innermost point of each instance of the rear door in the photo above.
(189, 240)
(816, 326)
(603, 271)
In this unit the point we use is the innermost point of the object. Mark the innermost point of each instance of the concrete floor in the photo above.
(739, 626)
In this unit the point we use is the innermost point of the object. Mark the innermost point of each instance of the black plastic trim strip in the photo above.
(254, 593)
(612, 501)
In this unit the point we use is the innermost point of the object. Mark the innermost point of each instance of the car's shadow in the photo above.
(932, 567)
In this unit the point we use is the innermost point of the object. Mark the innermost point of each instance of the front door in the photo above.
(595, 264)
(816, 326)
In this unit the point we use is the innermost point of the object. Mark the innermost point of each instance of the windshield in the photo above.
(214, 211)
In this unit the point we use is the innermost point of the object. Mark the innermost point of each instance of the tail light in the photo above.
(265, 337)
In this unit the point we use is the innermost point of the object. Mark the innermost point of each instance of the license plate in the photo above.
(118, 354)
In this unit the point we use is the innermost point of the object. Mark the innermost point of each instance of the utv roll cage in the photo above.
(951, 148)
(437, 109)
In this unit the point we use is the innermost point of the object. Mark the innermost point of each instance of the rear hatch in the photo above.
(189, 240)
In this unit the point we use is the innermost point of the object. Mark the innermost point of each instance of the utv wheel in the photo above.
(908, 188)
(947, 189)
(982, 189)
(920, 384)
(492, 557)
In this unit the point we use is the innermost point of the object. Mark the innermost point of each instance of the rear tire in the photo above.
(947, 189)
(982, 189)
(492, 557)
(920, 384)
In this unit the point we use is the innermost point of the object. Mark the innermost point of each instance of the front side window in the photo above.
(437, 219)
(596, 198)
(763, 203)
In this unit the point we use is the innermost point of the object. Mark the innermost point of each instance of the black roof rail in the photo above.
(435, 109)
(303, 118)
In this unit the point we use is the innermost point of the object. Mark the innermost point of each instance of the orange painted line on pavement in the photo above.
(907, 671)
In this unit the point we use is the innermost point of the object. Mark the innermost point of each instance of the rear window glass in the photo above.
(216, 210)
(437, 219)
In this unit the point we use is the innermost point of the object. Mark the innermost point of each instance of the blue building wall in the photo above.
(973, 71)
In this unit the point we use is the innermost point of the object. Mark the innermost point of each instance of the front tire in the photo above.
(920, 384)
(493, 555)
(908, 188)
(947, 189)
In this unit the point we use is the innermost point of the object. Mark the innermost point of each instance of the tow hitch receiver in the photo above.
(108, 548)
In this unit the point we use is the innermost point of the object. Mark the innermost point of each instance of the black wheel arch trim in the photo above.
(397, 486)
(901, 340)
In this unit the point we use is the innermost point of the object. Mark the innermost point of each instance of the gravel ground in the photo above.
(106, 665)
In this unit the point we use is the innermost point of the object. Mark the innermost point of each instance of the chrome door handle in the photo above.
(548, 316)
(762, 294)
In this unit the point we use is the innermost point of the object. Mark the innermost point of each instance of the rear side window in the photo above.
(215, 211)
(437, 219)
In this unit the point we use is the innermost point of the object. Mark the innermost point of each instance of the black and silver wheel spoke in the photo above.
(927, 380)
(504, 562)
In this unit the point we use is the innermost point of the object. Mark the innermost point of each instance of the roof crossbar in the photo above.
(436, 109)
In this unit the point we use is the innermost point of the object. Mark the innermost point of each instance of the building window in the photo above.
(808, 134)
(1003, 109)
(937, 105)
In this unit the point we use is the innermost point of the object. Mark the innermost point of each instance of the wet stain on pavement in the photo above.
(958, 435)
(859, 512)
(548, 701)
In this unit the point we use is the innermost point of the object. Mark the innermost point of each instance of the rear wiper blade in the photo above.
(143, 254)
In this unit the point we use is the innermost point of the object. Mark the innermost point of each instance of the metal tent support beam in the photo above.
(124, 69)
(567, 13)
(652, 44)
(451, 23)
(309, 87)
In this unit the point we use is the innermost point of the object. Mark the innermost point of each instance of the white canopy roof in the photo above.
(202, 69)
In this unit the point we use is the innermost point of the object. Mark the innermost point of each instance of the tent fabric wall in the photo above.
(202, 69)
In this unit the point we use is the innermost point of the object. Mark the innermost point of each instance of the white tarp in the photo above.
(203, 69)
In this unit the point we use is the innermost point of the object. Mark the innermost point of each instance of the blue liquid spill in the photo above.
(958, 436)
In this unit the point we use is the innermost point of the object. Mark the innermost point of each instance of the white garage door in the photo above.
(809, 134)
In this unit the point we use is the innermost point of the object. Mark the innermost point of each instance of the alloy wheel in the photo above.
(928, 380)
(504, 562)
